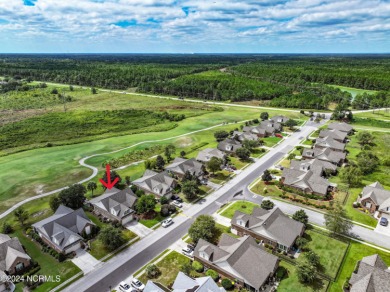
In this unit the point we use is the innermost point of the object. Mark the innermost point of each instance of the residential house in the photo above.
(334, 134)
(270, 227)
(240, 259)
(280, 119)
(13, 258)
(229, 145)
(375, 198)
(206, 154)
(306, 181)
(271, 127)
(343, 127)
(325, 154)
(330, 143)
(319, 167)
(180, 166)
(63, 231)
(115, 205)
(241, 136)
(159, 184)
(370, 275)
(184, 283)
(258, 131)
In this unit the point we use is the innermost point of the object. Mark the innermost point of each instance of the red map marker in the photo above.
(109, 185)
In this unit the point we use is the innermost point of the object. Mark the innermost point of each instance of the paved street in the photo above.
(139, 254)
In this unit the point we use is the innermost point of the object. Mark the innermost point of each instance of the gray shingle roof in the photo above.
(330, 142)
(241, 257)
(325, 154)
(120, 202)
(229, 145)
(184, 283)
(10, 250)
(241, 136)
(258, 130)
(66, 225)
(315, 165)
(305, 179)
(343, 127)
(280, 119)
(335, 134)
(157, 183)
(372, 275)
(270, 126)
(181, 166)
(155, 287)
(272, 224)
(206, 154)
(378, 194)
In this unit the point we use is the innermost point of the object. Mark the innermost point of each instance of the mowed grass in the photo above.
(29, 173)
(169, 267)
(243, 206)
(353, 91)
(290, 281)
(330, 250)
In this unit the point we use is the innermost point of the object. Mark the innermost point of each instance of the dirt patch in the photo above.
(40, 213)
(39, 189)
(184, 142)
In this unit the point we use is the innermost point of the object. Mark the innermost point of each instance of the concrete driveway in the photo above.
(138, 228)
(85, 261)
(383, 229)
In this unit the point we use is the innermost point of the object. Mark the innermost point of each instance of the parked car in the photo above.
(137, 284)
(124, 287)
(188, 252)
(177, 198)
(167, 222)
(384, 221)
(203, 181)
(191, 246)
(177, 204)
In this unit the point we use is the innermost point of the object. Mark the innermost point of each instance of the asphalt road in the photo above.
(129, 261)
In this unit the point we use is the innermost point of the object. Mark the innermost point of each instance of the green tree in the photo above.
(264, 116)
(91, 186)
(145, 204)
(6, 228)
(160, 162)
(113, 175)
(152, 271)
(71, 88)
(54, 203)
(186, 268)
(301, 216)
(227, 284)
(291, 124)
(169, 151)
(337, 220)
(190, 189)
(182, 154)
(214, 164)
(301, 242)
(21, 215)
(367, 162)
(365, 138)
(351, 175)
(73, 196)
(267, 204)
(306, 272)
(127, 180)
(203, 227)
(267, 177)
(93, 90)
(111, 237)
(313, 258)
(291, 156)
(221, 135)
(250, 144)
(243, 153)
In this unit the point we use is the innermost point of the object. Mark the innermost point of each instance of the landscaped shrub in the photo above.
(213, 274)
(152, 271)
(6, 228)
(227, 284)
(197, 266)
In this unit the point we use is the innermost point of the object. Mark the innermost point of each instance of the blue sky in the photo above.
(174, 26)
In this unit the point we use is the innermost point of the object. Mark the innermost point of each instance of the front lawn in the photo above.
(151, 222)
(355, 253)
(238, 163)
(169, 267)
(270, 141)
(330, 250)
(243, 206)
(220, 176)
(290, 281)
(98, 250)
(49, 265)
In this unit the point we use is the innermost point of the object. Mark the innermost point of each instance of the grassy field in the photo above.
(29, 173)
(353, 91)
(290, 281)
(169, 267)
(243, 206)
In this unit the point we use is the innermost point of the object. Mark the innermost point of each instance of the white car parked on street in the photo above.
(167, 222)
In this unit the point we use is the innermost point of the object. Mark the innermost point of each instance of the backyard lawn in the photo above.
(243, 206)
(330, 250)
(291, 282)
(169, 267)
(49, 265)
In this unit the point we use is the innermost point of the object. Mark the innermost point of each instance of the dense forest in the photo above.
(296, 81)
